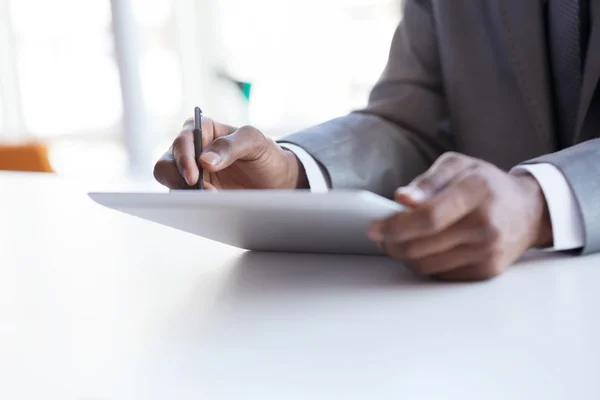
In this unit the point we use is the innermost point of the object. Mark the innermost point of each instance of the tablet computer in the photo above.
(334, 222)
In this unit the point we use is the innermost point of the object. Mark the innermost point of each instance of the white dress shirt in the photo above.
(567, 223)
(316, 180)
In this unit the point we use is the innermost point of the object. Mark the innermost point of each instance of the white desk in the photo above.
(98, 305)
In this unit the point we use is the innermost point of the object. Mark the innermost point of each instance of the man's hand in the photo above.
(233, 158)
(469, 220)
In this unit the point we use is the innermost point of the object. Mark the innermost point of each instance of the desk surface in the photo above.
(98, 305)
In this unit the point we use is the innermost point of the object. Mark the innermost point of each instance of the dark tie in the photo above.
(569, 33)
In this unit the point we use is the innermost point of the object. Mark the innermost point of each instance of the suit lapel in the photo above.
(522, 24)
(591, 70)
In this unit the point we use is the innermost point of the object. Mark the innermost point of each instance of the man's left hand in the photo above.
(468, 220)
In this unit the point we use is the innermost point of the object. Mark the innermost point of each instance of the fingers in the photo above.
(446, 208)
(247, 143)
(210, 129)
(210, 187)
(448, 234)
(461, 256)
(465, 243)
(178, 169)
(471, 273)
(444, 170)
(184, 146)
(411, 196)
(183, 151)
(167, 174)
(466, 231)
(183, 154)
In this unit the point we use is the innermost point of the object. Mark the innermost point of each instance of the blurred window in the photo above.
(66, 67)
(307, 61)
(152, 14)
(310, 60)
(160, 71)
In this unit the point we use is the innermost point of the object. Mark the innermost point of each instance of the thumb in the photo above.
(411, 196)
(436, 178)
(246, 143)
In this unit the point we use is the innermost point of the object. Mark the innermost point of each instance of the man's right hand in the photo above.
(233, 158)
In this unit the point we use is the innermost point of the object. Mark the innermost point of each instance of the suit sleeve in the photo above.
(580, 165)
(401, 131)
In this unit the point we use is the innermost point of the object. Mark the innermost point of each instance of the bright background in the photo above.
(107, 84)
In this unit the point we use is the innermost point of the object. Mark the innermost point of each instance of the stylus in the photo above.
(198, 145)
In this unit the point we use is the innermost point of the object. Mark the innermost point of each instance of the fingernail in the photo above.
(417, 195)
(186, 175)
(211, 158)
(374, 233)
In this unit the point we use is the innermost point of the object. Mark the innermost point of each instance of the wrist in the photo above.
(542, 223)
(296, 174)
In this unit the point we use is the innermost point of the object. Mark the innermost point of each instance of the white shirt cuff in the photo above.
(567, 223)
(316, 179)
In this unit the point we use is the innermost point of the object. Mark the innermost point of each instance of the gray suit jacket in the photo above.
(471, 76)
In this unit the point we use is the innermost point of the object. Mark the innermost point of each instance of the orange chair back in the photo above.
(27, 158)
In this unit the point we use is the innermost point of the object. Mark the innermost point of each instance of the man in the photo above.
(486, 117)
